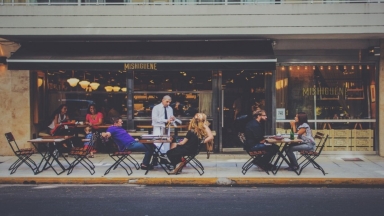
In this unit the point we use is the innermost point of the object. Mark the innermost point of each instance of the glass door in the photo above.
(242, 92)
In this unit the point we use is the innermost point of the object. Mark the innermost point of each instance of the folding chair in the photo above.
(310, 156)
(23, 155)
(119, 157)
(81, 153)
(193, 161)
(254, 155)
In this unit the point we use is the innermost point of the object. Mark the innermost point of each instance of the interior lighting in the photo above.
(73, 81)
(94, 85)
(108, 88)
(84, 84)
(124, 89)
(116, 88)
(39, 82)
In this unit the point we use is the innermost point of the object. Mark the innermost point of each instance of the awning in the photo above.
(170, 55)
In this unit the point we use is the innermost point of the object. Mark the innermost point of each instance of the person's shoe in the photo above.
(271, 167)
(294, 168)
(178, 168)
(148, 167)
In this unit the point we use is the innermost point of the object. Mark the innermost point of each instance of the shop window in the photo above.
(338, 99)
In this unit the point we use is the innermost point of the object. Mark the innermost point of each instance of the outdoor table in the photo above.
(281, 153)
(150, 127)
(156, 150)
(52, 154)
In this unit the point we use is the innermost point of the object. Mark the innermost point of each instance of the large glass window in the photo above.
(191, 92)
(339, 100)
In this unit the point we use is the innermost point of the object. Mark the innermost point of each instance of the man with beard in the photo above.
(254, 140)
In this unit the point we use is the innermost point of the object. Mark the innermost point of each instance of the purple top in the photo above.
(120, 136)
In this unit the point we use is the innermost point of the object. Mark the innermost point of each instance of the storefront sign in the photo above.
(335, 91)
(140, 66)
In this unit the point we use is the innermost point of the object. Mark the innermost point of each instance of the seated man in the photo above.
(127, 142)
(254, 140)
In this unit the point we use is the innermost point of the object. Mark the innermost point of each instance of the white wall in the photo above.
(289, 20)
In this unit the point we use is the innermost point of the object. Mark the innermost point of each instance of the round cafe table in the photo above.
(284, 144)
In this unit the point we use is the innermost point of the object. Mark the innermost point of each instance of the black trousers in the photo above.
(174, 155)
(270, 149)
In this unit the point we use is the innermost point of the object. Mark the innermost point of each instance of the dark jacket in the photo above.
(254, 133)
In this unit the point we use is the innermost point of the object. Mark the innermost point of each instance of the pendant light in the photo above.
(73, 81)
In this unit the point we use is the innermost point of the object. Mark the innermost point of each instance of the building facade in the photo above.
(220, 59)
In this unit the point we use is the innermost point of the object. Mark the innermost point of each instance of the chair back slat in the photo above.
(12, 142)
(323, 144)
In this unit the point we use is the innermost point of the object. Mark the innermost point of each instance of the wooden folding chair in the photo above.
(193, 161)
(120, 157)
(310, 156)
(81, 153)
(23, 155)
(254, 155)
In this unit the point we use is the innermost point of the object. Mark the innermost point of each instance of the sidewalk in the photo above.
(220, 170)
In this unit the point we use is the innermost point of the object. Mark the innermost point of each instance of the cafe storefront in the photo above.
(223, 79)
(129, 78)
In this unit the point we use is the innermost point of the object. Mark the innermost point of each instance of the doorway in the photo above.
(241, 93)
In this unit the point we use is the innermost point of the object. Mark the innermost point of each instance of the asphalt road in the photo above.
(183, 201)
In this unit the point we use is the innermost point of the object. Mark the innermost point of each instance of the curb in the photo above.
(201, 181)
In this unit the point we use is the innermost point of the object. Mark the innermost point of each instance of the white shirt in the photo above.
(158, 118)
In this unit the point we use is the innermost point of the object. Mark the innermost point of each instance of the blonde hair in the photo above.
(88, 129)
(197, 124)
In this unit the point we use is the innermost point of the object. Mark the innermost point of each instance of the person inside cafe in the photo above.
(178, 109)
(88, 136)
(162, 115)
(305, 134)
(59, 116)
(254, 140)
(197, 130)
(93, 117)
(125, 141)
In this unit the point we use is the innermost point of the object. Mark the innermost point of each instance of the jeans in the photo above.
(138, 146)
(301, 147)
(270, 149)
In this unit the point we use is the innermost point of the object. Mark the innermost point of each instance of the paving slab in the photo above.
(220, 170)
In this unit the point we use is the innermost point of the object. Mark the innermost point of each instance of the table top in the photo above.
(283, 141)
(104, 126)
(150, 126)
(148, 141)
(50, 139)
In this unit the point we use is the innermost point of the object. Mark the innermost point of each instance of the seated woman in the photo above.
(93, 117)
(59, 116)
(304, 133)
(197, 130)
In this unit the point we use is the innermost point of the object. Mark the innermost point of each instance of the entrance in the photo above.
(242, 92)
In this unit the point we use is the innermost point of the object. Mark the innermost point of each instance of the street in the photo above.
(150, 201)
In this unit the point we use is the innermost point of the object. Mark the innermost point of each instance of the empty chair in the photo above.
(81, 153)
(23, 155)
(310, 156)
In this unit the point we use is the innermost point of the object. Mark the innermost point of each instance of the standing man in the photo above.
(254, 140)
(162, 114)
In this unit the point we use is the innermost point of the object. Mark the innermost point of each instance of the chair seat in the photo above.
(121, 153)
(28, 152)
(78, 153)
(253, 153)
(309, 153)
